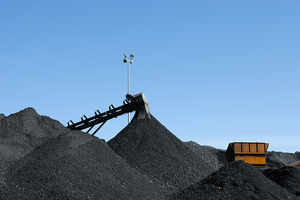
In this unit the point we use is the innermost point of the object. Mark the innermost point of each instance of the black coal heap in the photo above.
(42, 159)
(280, 159)
(66, 165)
(22, 132)
(237, 180)
(151, 148)
(215, 157)
(287, 177)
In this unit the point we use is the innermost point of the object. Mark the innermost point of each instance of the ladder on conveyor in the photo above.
(136, 103)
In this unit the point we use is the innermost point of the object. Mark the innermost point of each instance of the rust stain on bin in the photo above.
(250, 152)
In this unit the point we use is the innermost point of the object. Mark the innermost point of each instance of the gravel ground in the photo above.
(152, 149)
(237, 180)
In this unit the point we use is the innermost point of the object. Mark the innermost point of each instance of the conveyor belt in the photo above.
(136, 103)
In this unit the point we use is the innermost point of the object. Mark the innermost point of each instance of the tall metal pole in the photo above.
(128, 90)
(126, 60)
(128, 79)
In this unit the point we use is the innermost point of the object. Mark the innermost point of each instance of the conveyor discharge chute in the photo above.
(250, 152)
(295, 164)
(137, 103)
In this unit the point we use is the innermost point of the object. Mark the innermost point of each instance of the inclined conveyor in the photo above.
(137, 103)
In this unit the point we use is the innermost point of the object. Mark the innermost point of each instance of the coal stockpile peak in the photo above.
(29, 123)
(287, 177)
(21, 132)
(237, 180)
(151, 148)
(75, 165)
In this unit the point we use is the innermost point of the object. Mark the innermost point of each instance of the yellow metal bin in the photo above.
(250, 152)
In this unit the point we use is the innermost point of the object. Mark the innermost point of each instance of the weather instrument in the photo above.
(129, 61)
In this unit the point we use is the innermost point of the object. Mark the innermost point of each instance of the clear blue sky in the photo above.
(214, 72)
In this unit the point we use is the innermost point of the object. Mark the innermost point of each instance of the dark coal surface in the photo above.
(215, 157)
(71, 165)
(152, 149)
(20, 133)
(42, 159)
(237, 180)
(287, 177)
(280, 159)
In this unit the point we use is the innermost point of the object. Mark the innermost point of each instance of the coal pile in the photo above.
(42, 159)
(154, 151)
(237, 180)
(280, 159)
(68, 165)
(215, 157)
(22, 132)
(2, 116)
(287, 177)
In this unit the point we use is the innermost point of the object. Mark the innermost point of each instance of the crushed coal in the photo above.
(2, 116)
(154, 151)
(22, 132)
(287, 177)
(237, 180)
(42, 159)
(215, 157)
(280, 159)
(71, 165)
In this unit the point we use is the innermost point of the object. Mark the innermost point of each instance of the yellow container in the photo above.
(250, 152)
